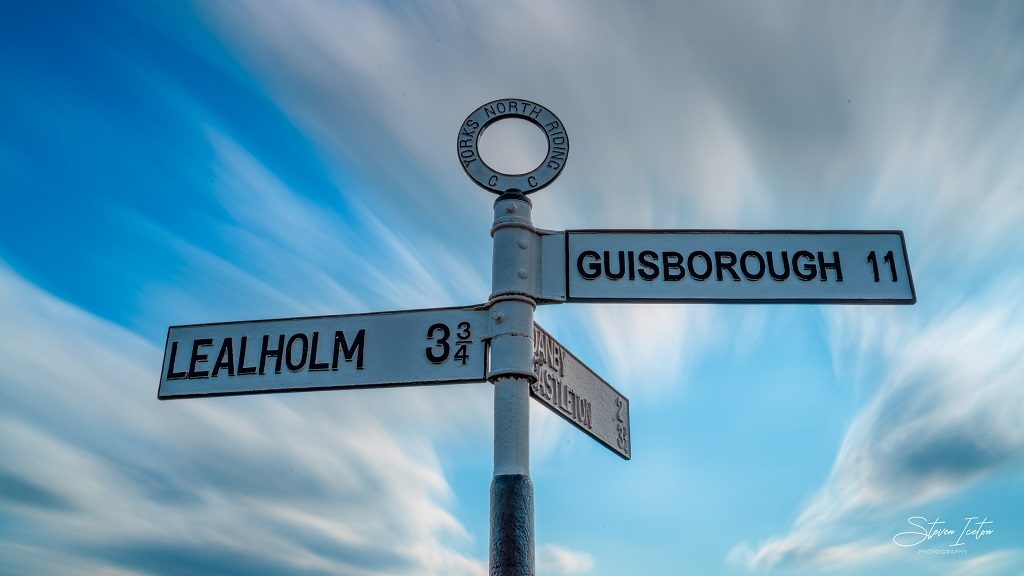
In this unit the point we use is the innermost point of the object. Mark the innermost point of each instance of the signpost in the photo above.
(573, 391)
(500, 343)
(439, 346)
(754, 266)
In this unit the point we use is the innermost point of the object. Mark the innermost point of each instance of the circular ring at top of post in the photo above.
(499, 182)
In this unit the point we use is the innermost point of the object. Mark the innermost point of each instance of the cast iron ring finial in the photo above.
(498, 182)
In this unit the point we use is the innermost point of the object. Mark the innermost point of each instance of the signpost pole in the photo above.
(516, 264)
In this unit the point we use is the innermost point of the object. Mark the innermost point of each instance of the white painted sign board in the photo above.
(842, 267)
(435, 346)
(573, 391)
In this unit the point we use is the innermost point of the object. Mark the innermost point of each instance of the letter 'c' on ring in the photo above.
(499, 182)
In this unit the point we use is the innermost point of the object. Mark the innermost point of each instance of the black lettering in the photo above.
(197, 358)
(721, 264)
(489, 111)
(289, 354)
(760, 265)
(341, 347)
(501, 107)
(313, 364)
(622, 266)
(171, 374)
(707, 265)
(892, 264)
(225, 359)
(267, 352)
(835, 265)
(672, 266)
(809, 270)
(442, 342)
(593, 269)
(552, 125)
(556, 359)
(632, 265)
(535, 112)
(242, 368)
(785, 263)
(648, 268)
(513, 106)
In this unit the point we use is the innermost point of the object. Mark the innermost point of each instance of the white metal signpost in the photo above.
(439, 346)
(499, 341)
(573, 391)
(737, 266)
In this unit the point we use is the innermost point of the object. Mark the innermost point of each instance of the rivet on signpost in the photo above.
(516, 263)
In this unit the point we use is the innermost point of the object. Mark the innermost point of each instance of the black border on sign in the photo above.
(474, 308)
(167, 342)
(482, 379)
(603, 381)
(903, 244)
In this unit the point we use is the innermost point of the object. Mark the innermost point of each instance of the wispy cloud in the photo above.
(823, 116)
(946, 417)
(97, 473)
(815, 115)
(990, 563)
(554, 559)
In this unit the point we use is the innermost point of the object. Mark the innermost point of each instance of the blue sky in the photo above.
(173, 163)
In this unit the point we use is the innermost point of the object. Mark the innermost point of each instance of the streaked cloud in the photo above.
(263, 159)
(991, 563)
(554, 559)
(945, 418)
(95, 469)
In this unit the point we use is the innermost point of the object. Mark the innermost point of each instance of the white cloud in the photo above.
(96, 472)
(651, 347)
(990, 563)
(816, 115)
(554, 559)
(822, 116)
(946, 417)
